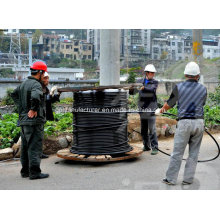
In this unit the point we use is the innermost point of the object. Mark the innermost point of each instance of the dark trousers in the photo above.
(31, 149)
(148, 130)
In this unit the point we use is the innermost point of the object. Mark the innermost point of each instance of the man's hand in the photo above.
(32, 114)
(142, 88)
(53, 90)
(158, 111)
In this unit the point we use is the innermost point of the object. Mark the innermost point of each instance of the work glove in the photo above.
(53, 90)
(157, 112)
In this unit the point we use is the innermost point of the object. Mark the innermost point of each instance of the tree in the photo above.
(131, 77)
(4, 43)
(36, 36)
(164, 55)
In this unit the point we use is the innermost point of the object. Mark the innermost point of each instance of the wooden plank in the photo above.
(100, 157)
(81, 156)
(84, 88)
(73, 155)
(108, 157)
(92, 157)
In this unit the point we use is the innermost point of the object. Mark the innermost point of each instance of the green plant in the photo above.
(212, 115)
(133, 101)
(7, 100)
(8, 130)
(131, 77)
(62, 123)
(67, 100)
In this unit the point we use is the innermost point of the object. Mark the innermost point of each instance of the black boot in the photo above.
(44, 156)
(40, 176)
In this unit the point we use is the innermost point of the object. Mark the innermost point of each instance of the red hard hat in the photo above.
(39, 65)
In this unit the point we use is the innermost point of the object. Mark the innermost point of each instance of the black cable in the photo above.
(100, 134)
(200, 161)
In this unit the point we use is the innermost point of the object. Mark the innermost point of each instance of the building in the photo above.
(93, 37)
(171, 47)
(75, 49)
(55, 73)
(188, 47)
(160, 48)
(211, 48)
(50, 44)
(176, 50)
(134, 43)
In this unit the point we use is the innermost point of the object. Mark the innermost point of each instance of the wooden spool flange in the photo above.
(67, 155)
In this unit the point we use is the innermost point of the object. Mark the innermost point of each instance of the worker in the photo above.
(31, 107)
(190, 97)
(148, 102)
(50, 98)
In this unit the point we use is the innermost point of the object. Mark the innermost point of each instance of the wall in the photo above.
(163, 88)
(4, 85)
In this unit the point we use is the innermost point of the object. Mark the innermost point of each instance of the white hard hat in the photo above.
(192, 69)
(150, 68)
(46, 74)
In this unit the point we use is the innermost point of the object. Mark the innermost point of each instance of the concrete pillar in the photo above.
(198, 51)
(110, 57)
(197, 46)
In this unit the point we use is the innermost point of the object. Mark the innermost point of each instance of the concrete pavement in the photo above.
(145, 172)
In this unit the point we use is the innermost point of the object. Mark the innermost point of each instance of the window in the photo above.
(52, 46)
(180, 44)
(68, 46)
(76, 49)
(179, 51)
(89, 56)
(156, 50)
(173, 43)
(84, 57)
(208, 50)
(76, 43)
(84, 47)
(155, 57)
(90, 47)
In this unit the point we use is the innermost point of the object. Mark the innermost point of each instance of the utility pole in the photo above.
(110, 57)
(127, 50)
(30, 50)
(198, 50)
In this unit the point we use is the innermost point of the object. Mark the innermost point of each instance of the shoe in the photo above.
(44, 156)
(146, 148)
(186, 183)
(24, 175)
(154, 152)
(167, 182)
(40, 176)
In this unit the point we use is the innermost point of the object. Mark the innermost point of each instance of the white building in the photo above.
(176, 44)
(93, 37)
(134, 43)
(160, 47)
(211, 48)
(171, 47)
(55, 73)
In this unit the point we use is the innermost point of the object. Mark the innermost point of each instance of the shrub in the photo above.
(7, 100)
